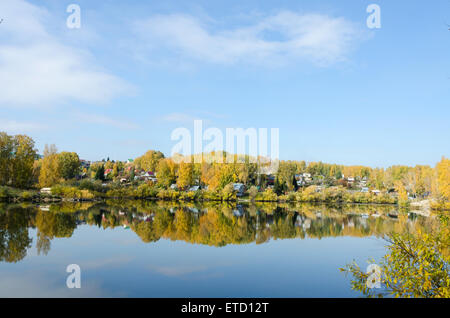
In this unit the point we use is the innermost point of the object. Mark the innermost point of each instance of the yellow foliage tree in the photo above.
(443, 178)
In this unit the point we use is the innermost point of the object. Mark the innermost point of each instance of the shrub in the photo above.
(267, 195)
(26, 195)
(4, 193)
(253, 192)
(228, 193)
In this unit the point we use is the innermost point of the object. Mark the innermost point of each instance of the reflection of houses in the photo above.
(306, 224)
(193, 210)
(298, 221)
(239, 211)
(269, 220)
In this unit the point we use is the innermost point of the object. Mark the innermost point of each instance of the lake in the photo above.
(167, 249)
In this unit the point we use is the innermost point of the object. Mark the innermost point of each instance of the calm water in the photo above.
(160, 249)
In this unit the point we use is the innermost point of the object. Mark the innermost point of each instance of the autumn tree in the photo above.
(185, 175)
(443, 179)
(402, 194)
(50, 174)
(149, 161)
(166, 172)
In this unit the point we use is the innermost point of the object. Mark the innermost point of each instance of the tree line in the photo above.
(21, 167)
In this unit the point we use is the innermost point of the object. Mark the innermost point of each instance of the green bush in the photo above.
(4, 193)
(267, 195)
(26, 195)
(71, 192)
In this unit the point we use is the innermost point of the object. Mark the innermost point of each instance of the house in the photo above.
(270, 179)
(85, 164)
(365, 190)
(147, 176)
(300, 180)
(194, 188)
(130, 161)
(307, 178)
(108, 171)
(376, 192)
(46, 190)
(239, 188)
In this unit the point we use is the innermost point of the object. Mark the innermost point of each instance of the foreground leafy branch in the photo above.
(417, 265)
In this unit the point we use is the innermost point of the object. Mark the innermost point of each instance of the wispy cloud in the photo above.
(105, 120)
(274, 39)
(184, 118)
(179, 118)
(173, 271)
(18, 127)
(37, 69)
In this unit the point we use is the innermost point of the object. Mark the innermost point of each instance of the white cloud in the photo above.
(38, 69)
(275, 39)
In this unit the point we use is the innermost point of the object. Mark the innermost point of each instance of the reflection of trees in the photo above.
(14, 238)
(51, 225)
(211, 223)
(219, 227)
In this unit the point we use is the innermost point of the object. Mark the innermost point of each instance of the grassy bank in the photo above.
(94, 191)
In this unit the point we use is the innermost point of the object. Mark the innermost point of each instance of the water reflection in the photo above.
(207, 224)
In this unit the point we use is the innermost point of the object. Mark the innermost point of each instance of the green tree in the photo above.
(6, 155)
(100, 173)
(23, 160)
(17, 155)
(69, 165)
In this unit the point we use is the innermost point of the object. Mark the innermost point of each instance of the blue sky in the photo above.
(338, 91)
